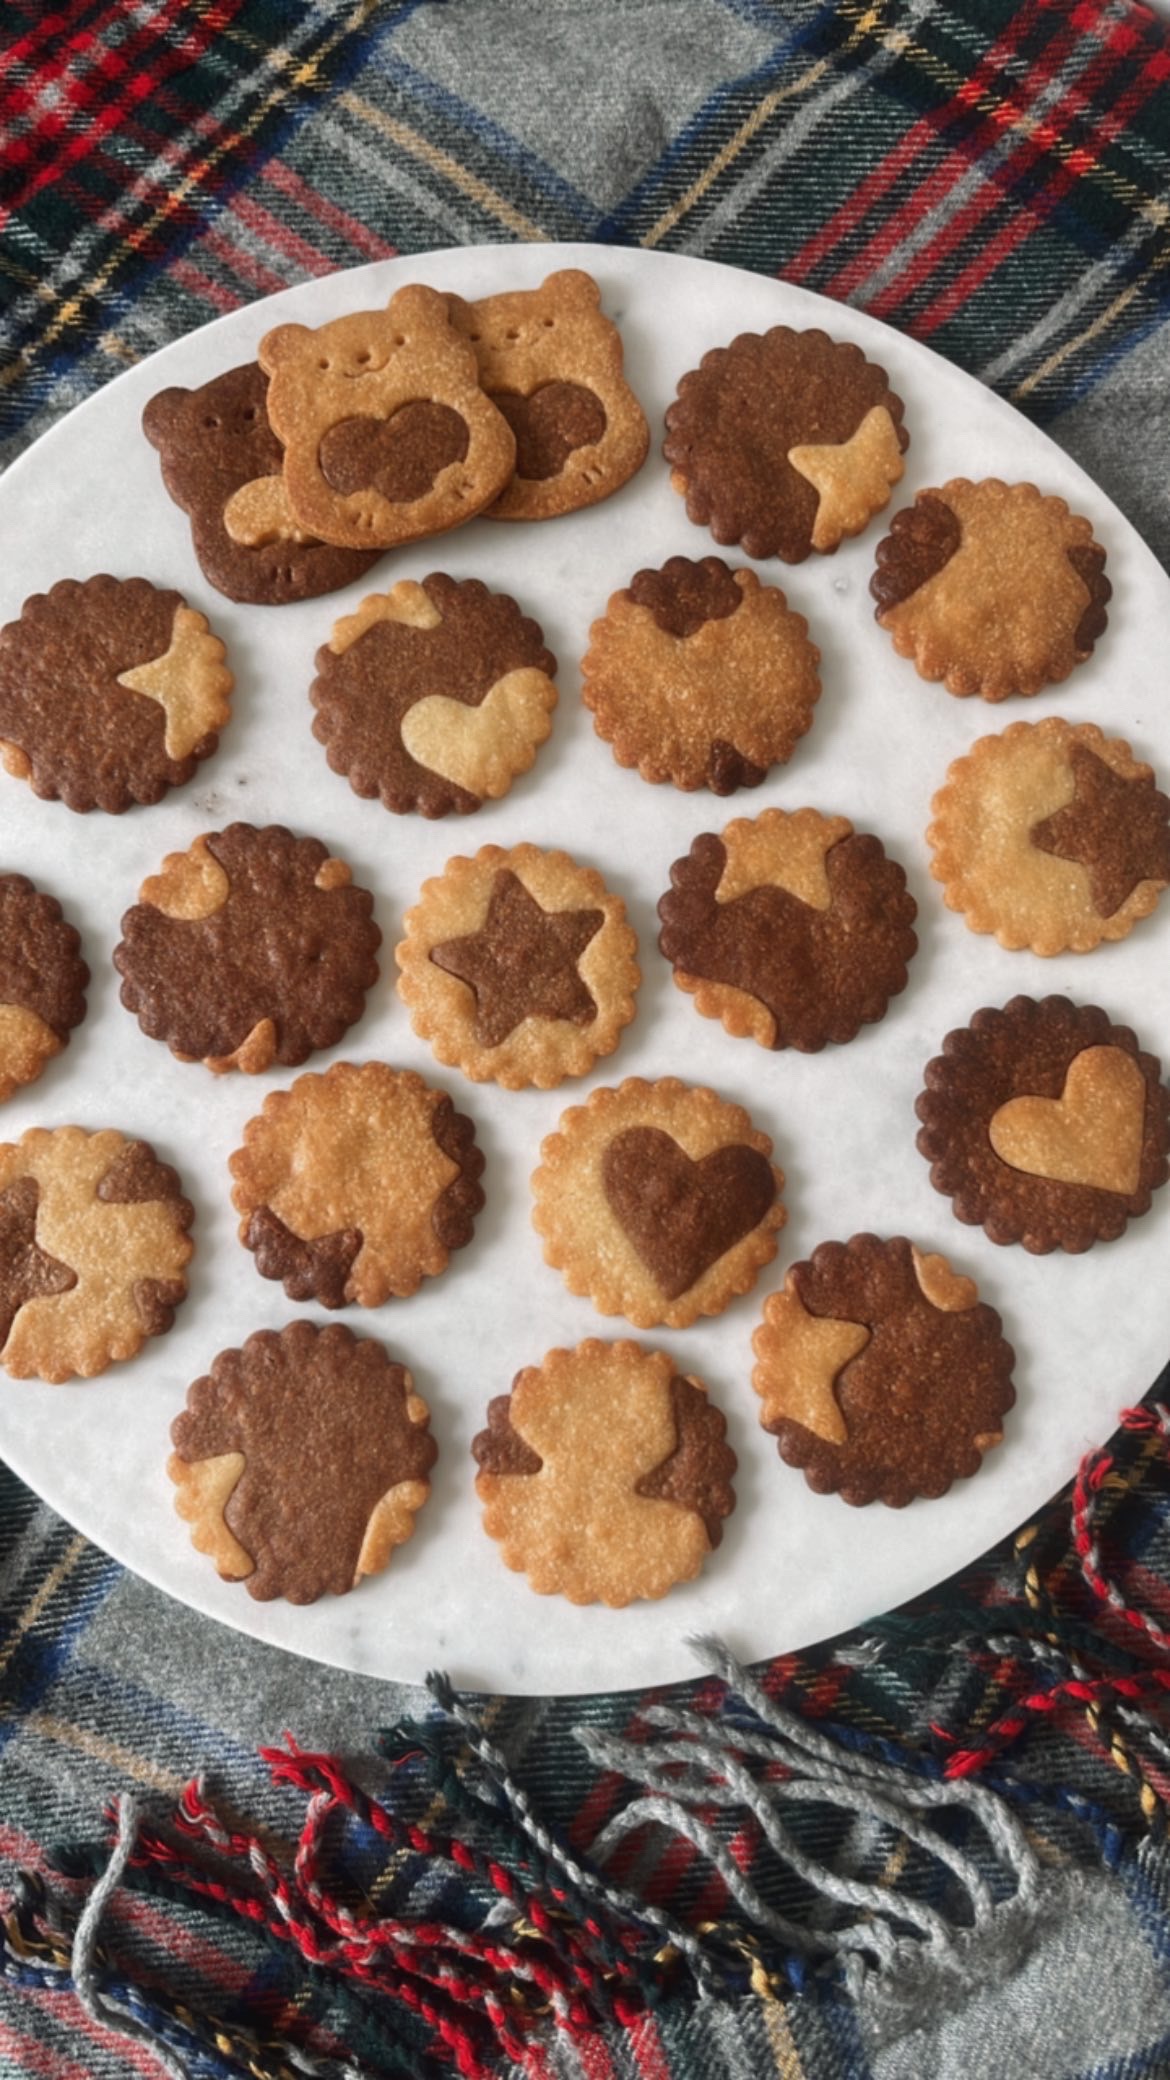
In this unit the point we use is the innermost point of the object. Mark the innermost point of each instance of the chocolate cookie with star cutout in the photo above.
(43, 981)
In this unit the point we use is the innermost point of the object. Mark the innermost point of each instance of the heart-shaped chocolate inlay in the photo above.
(548, 426)
(1091, 1135)
(681, 1216)
(399, 457)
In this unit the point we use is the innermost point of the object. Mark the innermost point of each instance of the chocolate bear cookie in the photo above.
(1046, 1124)
(658, 1201)
(301, 1461)
(551, 362)
(605, 1474)
(881, 1373)
(785, 442)
(387, 435)
(221, 463)
(252, 947)
(990, 587)
(1052, 835)
(111, 692)
(700, 675)
(93, 1251)
(434, 696)
(792, 928)
(42, 982)
(356, 1185)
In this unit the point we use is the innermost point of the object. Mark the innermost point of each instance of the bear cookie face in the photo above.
(551, 361)
(386, 431)
(221, 463)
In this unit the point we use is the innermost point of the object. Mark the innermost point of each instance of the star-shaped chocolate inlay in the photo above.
(1119, 829)
(522, 962)
(26, 1272)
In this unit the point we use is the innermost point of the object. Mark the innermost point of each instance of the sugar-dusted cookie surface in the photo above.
(301, 1461)
(1046, 1124)
(356, 1185)
(791, 927)
(880, 1372)
(43, 981)
(993, 588)
(1052, 835)
(387, 434)
(785, 442)
(605, 1474)
(93, 1250)
(434, 696)
(222, 463)
(518, 966)
(700, 675)
(111, 692)
(658, 1201)
(551, 361)
(252, 947)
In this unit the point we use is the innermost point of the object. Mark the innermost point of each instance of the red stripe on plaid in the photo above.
(646, 2044)
(200, 285)
(281, 237)
(243, 264)
(29, 2055)
(68, 2008)
(60, 52)
(290, 184)
(593, 2054)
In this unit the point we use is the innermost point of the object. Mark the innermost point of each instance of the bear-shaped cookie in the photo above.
(387, 434)
(552, 361)
(221, 463)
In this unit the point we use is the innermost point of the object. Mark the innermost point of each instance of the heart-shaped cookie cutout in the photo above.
(681, 1215)
(549, 425)
(482, 749)
(1091, 1135)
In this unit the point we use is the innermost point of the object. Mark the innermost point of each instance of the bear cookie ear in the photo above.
(161, 414)
(284, 343)
(571, 286)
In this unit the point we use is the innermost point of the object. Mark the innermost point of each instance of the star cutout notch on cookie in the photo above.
(1116, 827)
(522, 963)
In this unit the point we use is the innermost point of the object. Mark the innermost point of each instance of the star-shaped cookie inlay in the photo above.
(801, 1357)
(189, 681)
(522, 962)
(26, 1271)
(1119, 829)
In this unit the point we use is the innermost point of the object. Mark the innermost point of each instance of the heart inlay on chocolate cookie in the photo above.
(1091, 1135)
(681, 1216)
(548, 426)
(400, 456)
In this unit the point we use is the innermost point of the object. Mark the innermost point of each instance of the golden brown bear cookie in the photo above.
(791, 927)
(658, 1201)
(356, 1185)
(701, 675)
(301, 1461)
(93, 1250)
(434, 696)
(992, 588)
(881, 1373)
(42, 982)
(252, 947)
(1046, 1124)
(1053, 836)
(387, 435)
(551, 361)
(518, 967)
(785, 442)
(111, 692)
(605, 1475)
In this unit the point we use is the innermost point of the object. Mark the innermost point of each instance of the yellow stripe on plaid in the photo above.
(36, 1604)
(432, 155)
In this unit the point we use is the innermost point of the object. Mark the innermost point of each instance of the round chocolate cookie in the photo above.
(42, 982)
(881, 1372)
(250, 948)
(792, 928)
(785, 442)
(301, 1461)
(111, 692)
(434, 696)
(1045, 1124)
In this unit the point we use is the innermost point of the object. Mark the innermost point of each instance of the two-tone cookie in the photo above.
(792, 928)
(605, 1474)
(252, 947)
(993, 588)
(356, 1185)
(93, 1251)
(1046, 1124)
(785, 442)
(880, 1372)
(111, 692)
(658, 1201)
(434, 696)
(301, 1461)
(43, 981)
(518, 967)
(700, 675)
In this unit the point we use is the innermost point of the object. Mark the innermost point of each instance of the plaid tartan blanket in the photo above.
(936, 1846)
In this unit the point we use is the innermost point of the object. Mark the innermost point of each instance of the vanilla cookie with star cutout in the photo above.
(518, 967)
